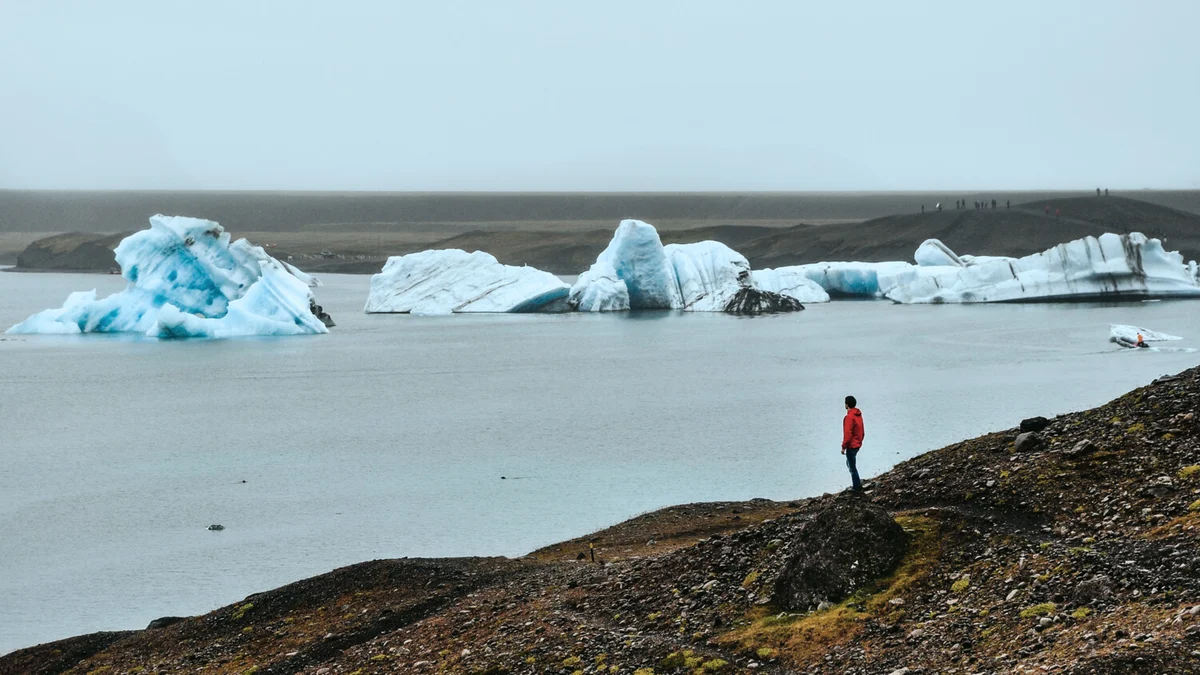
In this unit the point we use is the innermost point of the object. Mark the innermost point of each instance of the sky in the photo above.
(599, 96)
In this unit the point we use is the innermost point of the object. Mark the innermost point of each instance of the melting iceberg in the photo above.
(186, 279)
(452, 280)
(933, 253)
(1108, 266)
(708, 274)
(790, 281)
(1127, 335)
(852, 278)
(636, 271)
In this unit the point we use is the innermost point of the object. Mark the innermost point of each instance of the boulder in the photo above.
(844, 546)
(1096, 589)
(1028, 442)
(752, 301)
(1082, 448)
(1034, 424)
(164, 621)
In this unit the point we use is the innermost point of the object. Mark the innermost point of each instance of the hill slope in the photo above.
(1018, 231)
(1076, 550)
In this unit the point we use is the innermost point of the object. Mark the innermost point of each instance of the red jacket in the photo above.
(852, 430)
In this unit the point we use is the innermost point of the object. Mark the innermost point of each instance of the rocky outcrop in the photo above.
(319, 312)
(848, 544)
(752, 302)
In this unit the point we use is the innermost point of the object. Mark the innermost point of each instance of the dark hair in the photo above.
(851, 401)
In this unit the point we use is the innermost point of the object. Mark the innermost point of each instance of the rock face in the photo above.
(846, 545)
(751, 301)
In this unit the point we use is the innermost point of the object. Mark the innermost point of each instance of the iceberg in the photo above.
(789, 281)
(186, 279)
(852, 278)
(708, 274)
(1093, 268)
(308, 279)
(599, 289)
(637, 258)
(636, 271)
(1127, 335)
(446, 281)
(933, 253)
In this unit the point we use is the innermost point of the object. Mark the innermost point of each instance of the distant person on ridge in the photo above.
(852, 438)
(1007, 204)
(1097, 192)
(993, 203)
(1105, 192)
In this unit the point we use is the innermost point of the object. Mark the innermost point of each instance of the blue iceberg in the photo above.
(186, 279)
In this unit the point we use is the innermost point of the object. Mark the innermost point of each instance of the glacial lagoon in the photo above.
(474, 434)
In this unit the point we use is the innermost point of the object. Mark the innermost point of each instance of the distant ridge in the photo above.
(570, 248)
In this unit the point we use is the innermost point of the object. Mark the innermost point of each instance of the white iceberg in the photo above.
(636, 271)
(1127, 335)
(789, 281)
(867, 279)
(933, 253)
(308, 279)
(452, 280)
(186, 279)
(599, 289)
(1093, 268)
(708, 274)
(637, 258)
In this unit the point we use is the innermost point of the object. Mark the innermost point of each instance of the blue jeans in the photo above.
(851, 455)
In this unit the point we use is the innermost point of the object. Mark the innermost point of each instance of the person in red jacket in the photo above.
(852, 438)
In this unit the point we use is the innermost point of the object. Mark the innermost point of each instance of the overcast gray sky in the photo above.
(612, 95)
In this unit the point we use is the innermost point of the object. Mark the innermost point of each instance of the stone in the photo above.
(1028, 442)
(1082, 448)
(847, 544)
(751, 302)
(1096, 589)
(164, 621)
(1034, 424)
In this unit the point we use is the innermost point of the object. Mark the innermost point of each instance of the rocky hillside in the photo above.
(72, 252)
(1070, 545)
(570, 247)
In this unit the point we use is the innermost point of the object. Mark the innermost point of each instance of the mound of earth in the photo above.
(72, 252)
(1079, 553)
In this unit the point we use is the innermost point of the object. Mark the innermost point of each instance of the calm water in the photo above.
(389, 437)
